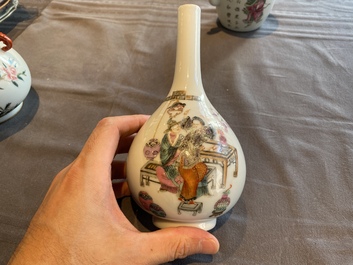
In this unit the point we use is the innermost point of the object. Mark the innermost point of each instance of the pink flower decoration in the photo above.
(11, 72)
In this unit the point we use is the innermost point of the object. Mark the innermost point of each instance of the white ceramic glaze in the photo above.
(15, 80)
(185, 165)
(242, 15)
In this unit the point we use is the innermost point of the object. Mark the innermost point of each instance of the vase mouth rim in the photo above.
(187, 72)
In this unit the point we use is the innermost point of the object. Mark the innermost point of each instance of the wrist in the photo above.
(39, 246)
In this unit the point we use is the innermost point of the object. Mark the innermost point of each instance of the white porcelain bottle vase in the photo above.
(185, 165)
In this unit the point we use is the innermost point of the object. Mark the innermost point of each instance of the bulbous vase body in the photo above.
(186, 166)
(15, 80)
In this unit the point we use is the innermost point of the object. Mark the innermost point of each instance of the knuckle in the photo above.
(107, 124)
(181, 249)
(107, 121)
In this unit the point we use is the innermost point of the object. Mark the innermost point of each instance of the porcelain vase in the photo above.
(186, 166)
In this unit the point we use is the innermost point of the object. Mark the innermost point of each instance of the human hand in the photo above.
(80, 222)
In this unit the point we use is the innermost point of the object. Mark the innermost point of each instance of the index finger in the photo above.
(128, 125)
(99, 150)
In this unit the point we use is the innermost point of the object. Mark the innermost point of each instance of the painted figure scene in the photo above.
(188, 161)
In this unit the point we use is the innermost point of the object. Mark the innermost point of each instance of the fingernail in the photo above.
(209, 245)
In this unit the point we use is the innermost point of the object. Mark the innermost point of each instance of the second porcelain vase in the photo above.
(185, 165)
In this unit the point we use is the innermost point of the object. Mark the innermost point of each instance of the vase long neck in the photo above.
(187, 75)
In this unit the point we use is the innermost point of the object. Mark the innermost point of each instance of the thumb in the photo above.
(175, 243)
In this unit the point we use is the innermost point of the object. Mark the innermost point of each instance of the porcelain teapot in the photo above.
(15, 80)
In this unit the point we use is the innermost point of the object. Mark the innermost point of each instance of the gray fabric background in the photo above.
(286, 90)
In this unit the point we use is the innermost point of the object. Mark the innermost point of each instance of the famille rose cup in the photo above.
(242, 15)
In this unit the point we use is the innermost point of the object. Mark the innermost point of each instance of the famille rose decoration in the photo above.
(242, 15)
(15, 80)
(185, 165)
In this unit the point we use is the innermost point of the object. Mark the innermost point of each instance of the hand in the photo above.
(80, 222)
